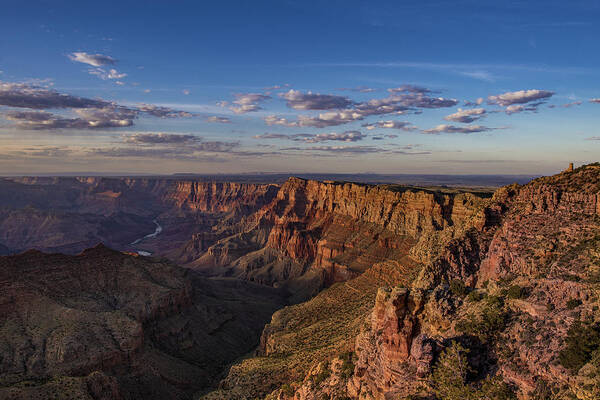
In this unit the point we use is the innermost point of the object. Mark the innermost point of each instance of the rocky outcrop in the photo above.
(539, 240)
(392, 354)
(544, 221)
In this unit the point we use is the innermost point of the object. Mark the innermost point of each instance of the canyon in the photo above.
(301, 290)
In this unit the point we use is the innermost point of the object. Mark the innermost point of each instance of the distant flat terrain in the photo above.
(399, 179)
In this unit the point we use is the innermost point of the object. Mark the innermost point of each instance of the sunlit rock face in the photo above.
(510, 285)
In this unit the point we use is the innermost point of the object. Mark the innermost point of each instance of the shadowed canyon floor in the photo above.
(379, 289)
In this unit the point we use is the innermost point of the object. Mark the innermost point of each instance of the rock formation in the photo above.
(103, 324)
(516, 286)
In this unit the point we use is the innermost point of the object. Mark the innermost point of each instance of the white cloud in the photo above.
(466, 116)
(88, 113)
(514, 109)
(95, 60)
(314, 101)
(347, 136)
(23, 95)
(520, 97)
(246, 102)
(105, 75)
(160, 138)
(402, 125)
(444, 128)
(214, 118)
(114, 74)
(410, 89)
(393, 104)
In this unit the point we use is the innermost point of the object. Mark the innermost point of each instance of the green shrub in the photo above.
(542, 391)
(458, 288)
(570, 277)
(475, 296)
(495, 301)
(347, 364)
(287, 390)
(486, 325)
(573, 303)
(449, 378)
(582, 340)
(496, 389)
(516, 292)
(323, 374)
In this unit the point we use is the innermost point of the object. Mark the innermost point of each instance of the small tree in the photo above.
(582, 340)
(458, 288)
(449, 379)
(516, 292)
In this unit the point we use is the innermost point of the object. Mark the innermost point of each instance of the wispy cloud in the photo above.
(400, 125)
(520, 97)
(246, 102)
(466, 116)
(217, 119)
(95, 60)
(314, 101)
(163, 112)
(355, 150)
(443, 128)
(480, 75)
(359, 89)
(106, 75)
(23, 95)
(567, 105)
(522, 100)
(410, 89)
(453, 67)
(347, 136)
(160, 138)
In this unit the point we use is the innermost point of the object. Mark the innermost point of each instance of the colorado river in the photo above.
(156, 232)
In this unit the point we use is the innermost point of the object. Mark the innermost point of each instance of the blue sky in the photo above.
(299, 86)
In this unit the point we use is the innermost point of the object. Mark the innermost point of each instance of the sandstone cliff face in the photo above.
(338, 230)
(217, 197)
(544, 221)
